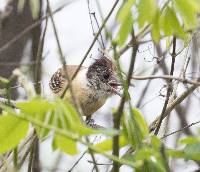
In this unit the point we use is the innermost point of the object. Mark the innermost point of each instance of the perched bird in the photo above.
(92, 85)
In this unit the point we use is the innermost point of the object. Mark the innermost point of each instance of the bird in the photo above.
(92, 86)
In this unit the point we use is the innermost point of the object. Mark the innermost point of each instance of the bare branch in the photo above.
(172, 105)
(180, 130)
(169, 89)
(167, 77)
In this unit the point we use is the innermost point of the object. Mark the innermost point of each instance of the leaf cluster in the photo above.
(174, 18)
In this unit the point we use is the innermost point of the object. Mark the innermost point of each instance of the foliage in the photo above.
(40, 113)
(173, 18)
(12, 131)
(190, 151)
(148, 153)
(59, 120)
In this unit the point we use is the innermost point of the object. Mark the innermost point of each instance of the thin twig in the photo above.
(3, 165)
(31, 158)
(25, 155)
(100, 163)
(74, 165)
(107, 33)
(165, 158)
(182, 74)
(38, 60)
(179, 109)
(167, 77)
(118, 114)
(38, 43)
(62, 59)
(169, 89)
(91, 23)
(92, 156)
(15, 158)
(93, 42)
(172, 105)
(180, 130)
(94, 15)
(36, 167)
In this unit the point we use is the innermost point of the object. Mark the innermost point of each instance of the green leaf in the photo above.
(109, 132)
(106, 145)
(175, 153)
(64, 144)
(151, 160)
(156, 143)
(189, 140)
(12, 131)
(72, 119)
(125, 10)
(168, 42)
(170, 24)
(144, 154)
(153, 165)
(36, 106)
(134, 127)
(188, 11)
(156, 27)
(196, 5)
(131, 157)
(39, 109)
(125, 29)
(141, 121)
(125, 18)
(69, 115)
(43, 132)
(59, 113)
(146, 10)
(192, 151)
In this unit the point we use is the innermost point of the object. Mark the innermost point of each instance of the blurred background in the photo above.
(74, 28)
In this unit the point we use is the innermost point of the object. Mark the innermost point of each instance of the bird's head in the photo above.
(102, 76)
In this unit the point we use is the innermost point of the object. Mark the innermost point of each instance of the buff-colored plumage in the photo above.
(84, 95)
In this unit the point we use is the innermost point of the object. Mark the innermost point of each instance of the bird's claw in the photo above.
(90, 122)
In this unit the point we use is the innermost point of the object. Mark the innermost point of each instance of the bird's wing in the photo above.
(59, 82)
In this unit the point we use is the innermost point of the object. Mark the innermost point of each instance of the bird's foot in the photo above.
(90, 122)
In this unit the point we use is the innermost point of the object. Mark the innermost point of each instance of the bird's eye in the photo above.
(106, 76)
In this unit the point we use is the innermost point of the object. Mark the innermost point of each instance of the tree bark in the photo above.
(11, 25)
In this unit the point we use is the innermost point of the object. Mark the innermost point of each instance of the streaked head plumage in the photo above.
(102, 75)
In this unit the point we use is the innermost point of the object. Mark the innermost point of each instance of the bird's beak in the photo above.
(114, 83)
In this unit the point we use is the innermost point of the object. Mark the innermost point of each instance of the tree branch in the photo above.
(118, 114)
(169, 89)
(171, 106)
(167, 77)
(177, 131)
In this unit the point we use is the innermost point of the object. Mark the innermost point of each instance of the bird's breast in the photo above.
(89, 99)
